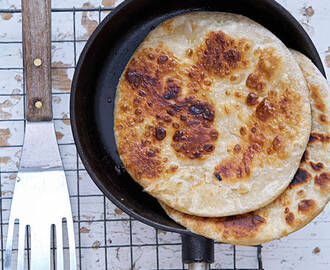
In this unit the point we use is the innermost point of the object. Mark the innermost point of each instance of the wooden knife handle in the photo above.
(37, 53)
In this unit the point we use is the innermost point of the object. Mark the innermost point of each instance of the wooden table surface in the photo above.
(107, 238)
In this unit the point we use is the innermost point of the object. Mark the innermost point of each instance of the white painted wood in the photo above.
(308, 248)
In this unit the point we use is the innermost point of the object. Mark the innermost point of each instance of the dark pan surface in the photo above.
(98, 71)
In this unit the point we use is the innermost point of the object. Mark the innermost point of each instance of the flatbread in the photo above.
(306, 196)
(212, 114)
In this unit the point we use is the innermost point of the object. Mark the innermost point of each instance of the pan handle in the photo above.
(197, 251)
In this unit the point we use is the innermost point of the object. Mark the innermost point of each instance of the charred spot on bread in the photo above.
(220, 55)
(304, 157)
(195, 137)
(134, 77)
(241, 226)
(322, 180)
(237, 148)
(306, 206)
(162, 59)
(314, 137)
(252, 99)
(301, 193)
(203, 109)
(173, 168)
(208, 147)
(160, 133)
(289, 218)
(232, 55)
(316, 166)
(300, 177)
(265, 110)
(193, 141)
(172, 89)
(218, 176)
(214, 134)
(242, 131)
(189, 52)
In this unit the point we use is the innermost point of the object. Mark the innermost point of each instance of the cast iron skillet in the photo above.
(98, 71)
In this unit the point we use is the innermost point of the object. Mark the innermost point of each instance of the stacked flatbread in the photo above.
(226, 127)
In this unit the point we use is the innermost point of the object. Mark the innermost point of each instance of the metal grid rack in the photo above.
(105, 221)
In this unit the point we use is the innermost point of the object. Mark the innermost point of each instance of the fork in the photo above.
(41, 198)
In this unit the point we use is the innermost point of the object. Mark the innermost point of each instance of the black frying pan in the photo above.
(94, 87)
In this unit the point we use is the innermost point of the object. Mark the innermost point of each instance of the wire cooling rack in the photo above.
(106, 238)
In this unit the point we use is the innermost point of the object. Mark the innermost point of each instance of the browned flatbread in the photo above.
(303, 200)
(212, 114)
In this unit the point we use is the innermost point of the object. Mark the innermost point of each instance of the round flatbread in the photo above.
(306, 196)
(212, 114)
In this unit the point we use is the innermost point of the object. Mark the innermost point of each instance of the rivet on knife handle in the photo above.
(37, 55)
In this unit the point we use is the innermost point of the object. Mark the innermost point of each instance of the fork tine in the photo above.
(72, 245)
(59, 245)
(9, 244)
(21, 242)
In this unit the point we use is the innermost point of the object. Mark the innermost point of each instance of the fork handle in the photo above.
(37, 55)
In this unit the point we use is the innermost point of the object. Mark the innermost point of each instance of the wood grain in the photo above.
(36, 38)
